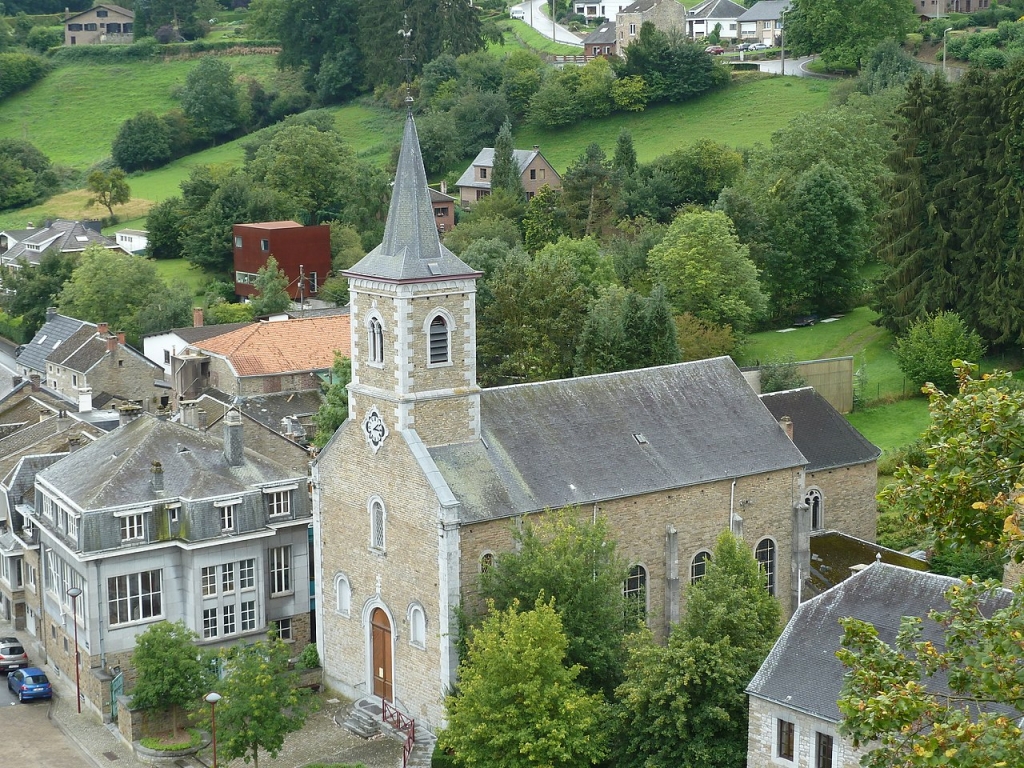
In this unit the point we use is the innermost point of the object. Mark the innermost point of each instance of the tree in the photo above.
(334, 410)
(109, 286)
(927, 351)
(320, 38)
(164, 224)
(169, 307)
(967, 492)
(893, 693)
(108, 188)
(684, 703)
(26, 174)
(672, 67)
(844, 32)
(888, 66)
(261, 702)
(210, 98)
(588, 192)
(624, 159)
(271, 286)
(36, 288)
(706, 271)
(171, 672)
(505, 175)
(625, 331)
(142, 143)
(572, 560)
(517, 704)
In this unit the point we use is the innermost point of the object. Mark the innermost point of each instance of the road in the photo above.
(794, 67)
(535, 17)
(30, 738)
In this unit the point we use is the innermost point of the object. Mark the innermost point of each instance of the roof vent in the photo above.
(640, 439)
(434, 267)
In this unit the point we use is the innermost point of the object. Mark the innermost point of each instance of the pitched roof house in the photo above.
(155, 521)
(534, 170)
(705, 17)
(55, 331)
(600, 42)
(103, 23)
(597, 9)
(420, 487)
(29, 245)
(794, 718)
(663, 14)
(762, 22)
(160, 347)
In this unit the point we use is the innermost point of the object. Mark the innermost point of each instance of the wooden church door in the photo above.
(380, 629)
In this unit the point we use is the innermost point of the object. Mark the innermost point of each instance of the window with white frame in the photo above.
(209, 623)
(417, 626)
(376, 341)
(209, 581)
(378, 519)
(132, 527)
(634, 591)
(248, 615)
(227, 517)
(279, 503)
(227, 578)
(785, 739)
(439, 341)
(816, 502)
(134, 597)
(824, 749)
(284, 629)
(699, 566)
(280, 570)
(238, 241)
(342, 595)
(247, 574)
(228, 619)
(765, 554)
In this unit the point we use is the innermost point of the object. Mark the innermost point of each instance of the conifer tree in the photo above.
(505, 172)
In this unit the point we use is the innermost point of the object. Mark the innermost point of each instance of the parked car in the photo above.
(743, 46)
(714, 50)
(517, 13)
(29, 683)
(12, 655)
(758, 47)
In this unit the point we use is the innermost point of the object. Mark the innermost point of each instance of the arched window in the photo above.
(486, 561)
(699, 566)
(417, 626)
(439, 342)
(765, 554)
(343, 595)
(377, 519)
(634, 593)
(376, 341)
(816, 502)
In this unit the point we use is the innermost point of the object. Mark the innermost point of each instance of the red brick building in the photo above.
(297, 249)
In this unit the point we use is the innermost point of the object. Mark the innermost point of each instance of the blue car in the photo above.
(29, 683)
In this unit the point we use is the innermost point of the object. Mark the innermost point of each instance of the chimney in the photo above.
(129, 412)
(444, 187)
(85, 399)
(202, 420)
(234, 450)
(44, 414)
(102, 329)
(120, 338)
(74, 441)
(197, 317)
(158, 477)
(787, 424)
(536, 147)
(15, 381)
(34, 378)
(111, 343)
(51, 312)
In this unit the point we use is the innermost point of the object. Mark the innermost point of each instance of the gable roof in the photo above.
(802, 671)
(485, 159)
(821, 433)
(765, 10)
(605, 35)
(109, 6)
(282, 346)
(193, 334)
(66, 236)
(42, 437)
(55, 331)
(86, 347)
(411, 250)
(717, 9)
(593, 438)
(115, 470)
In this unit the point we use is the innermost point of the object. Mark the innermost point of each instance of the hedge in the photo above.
(19, 71)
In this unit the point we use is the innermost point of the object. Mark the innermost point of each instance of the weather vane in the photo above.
(408, 59)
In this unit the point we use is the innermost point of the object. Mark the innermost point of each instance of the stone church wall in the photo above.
(849, 499)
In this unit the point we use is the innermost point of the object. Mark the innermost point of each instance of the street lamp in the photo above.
(74, 593)
(213, 697)
(782, 47)
(948, 29)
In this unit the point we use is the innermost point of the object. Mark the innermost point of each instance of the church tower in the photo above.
(413, 318)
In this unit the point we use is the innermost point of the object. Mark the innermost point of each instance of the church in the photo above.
(424, 483)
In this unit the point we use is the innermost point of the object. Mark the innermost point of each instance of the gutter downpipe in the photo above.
(732, 501)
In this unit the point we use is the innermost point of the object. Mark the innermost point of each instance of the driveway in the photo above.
(31, 738)
(533, 11)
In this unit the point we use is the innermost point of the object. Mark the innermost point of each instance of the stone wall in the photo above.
(848, 499)
(762, 732)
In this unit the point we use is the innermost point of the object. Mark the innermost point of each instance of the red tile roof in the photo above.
(283, 346)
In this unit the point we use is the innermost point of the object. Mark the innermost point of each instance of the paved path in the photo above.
(794, 67)
(534, 15)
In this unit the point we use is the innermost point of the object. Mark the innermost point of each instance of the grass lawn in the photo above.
(75, 112)
(174, 270)
(744, 114)
(893, 425)
(521, 33)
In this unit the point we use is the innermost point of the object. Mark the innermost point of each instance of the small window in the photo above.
(483, 173)
(439, 212)
(228, 623)
(209, 623)
(173, 514)
(247, 574)
(823, 751)
(378, 518)
(417, 627)
(765, 554)
(167, 357)
(533, 174)
(132, 528)
(209, 576)
(438, 341)
(280, 570)
(248, 611)
(813, 499)
(284, 629)
(785, 738)
(74, 380)
(238, 241)
(343, 595)
(91, 27)
(227, 518)
(264, 245)
(314, 284)
(486, 561)
(634, 593)
(227, 578)
(279, 503)
(376, 341)
(100, 13)
(699, 566)
(74, 27)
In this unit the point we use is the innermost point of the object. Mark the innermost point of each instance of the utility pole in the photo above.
(302, 291)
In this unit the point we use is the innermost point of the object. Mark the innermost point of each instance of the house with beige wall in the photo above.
(426, 480)
(534, 171)
(663, 14)
(103, 23)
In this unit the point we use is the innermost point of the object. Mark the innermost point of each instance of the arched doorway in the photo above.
(380, 640)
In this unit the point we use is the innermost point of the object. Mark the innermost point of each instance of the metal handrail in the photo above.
(393, 716)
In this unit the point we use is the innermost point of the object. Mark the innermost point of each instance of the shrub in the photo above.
(158, 744)
(969, 561)
(989, 58)
(928, 349)
(699, 339)
(18, 71)
(780, 375)
(309, 658)
(42, 39)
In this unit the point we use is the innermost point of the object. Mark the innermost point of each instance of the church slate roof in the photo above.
(115, 470)
(802, 671)
(821, 433)
(589, 439)
(411, 250)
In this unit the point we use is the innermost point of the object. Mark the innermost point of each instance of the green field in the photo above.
(894, 425)
(174, 270)
(744, 114)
